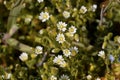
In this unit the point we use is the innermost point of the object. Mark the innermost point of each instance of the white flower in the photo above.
(64, 77)
(66, 14)
(83, 9)
(23, 56)
(39, 50)
(89, 77)
(53, 78)
(101, 54)
(97, 79)
(74, 48)
(72, 29)
(60, 61)
(94, 7)
(61, 26)
(60, 38)
(66, 52)
(44, 16)
(63, 64)
(40, 1)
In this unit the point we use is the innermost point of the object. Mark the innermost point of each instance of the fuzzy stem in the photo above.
(78, 44)
(20, 46)
(14, 14)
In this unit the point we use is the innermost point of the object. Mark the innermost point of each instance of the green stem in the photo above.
(14, 14)
(78, 44)
(107, 68)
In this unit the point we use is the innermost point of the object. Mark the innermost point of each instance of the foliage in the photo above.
(56, 39)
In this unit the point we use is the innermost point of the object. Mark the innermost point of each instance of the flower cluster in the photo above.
(65, 37)
(62, 27)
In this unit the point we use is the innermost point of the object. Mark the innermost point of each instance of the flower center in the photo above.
(66, 51)
(45, 16)
(61, 26)
(71, 30)
(61, 39)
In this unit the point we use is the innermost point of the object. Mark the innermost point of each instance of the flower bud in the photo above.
(56, 50)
